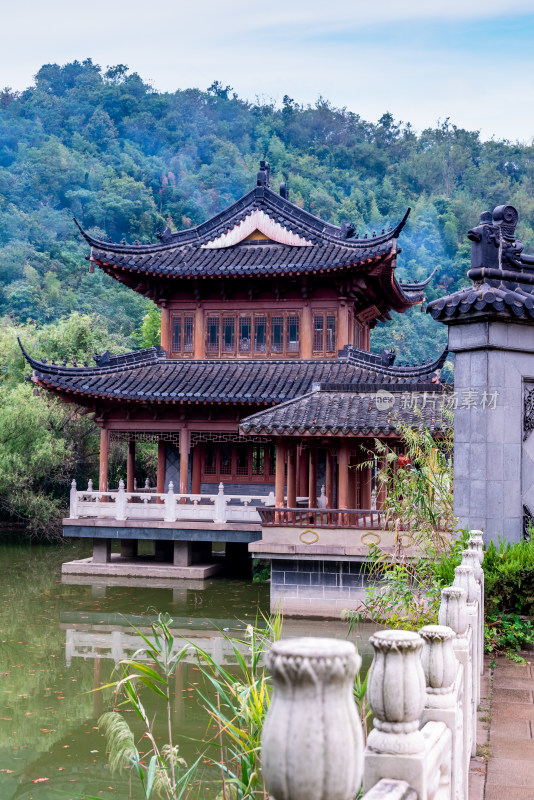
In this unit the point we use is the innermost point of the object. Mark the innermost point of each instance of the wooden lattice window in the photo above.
(182, 334)
(239, 463)
(263, 334)
(324, 333)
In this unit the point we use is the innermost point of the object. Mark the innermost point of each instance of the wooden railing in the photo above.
(324, 518)
(423, 693)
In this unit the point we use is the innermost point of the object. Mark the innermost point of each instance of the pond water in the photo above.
(60, 640)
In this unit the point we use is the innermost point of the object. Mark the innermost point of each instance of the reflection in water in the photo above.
(62, 638)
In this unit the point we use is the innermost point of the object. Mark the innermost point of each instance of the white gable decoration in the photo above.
(257, 221)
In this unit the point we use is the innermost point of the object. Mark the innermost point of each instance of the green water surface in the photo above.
(58, 641)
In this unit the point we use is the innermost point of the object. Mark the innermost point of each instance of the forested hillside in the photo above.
(124, 159)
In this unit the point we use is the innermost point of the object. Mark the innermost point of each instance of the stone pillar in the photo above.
(312, 738)
(130, 466)
(160, 481)
(166, 330)
(182, 554)
(196, 455)
(279, 480)
(101, 551)
(312, 477)
(343, 457)
(104, 455)
(185, 440)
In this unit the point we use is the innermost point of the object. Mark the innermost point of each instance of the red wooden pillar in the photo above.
(104, 455)
(185, 447)
(279, 478)
(196, 455)
(329, 483)
(166, 330)
(343, 457)
(306, 345)
(160, 481)
(366, 481)
(130, 466)
(312, 477)
(381, 491)
(291, 476)
(303, 472)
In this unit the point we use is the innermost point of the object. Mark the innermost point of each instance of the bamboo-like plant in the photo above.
(161, 770)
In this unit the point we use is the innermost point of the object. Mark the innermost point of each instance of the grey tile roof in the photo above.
(330, 411)
(184, 254)
(150, 376)
(479, 299)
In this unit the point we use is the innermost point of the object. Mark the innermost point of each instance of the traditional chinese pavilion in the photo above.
(263, 385)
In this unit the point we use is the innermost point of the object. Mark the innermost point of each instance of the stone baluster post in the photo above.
(464, 578)
(312, 743)
(120, 502)
(220, 505)
(73, 512)
(453, 613)
(443, 676)
(170, 506)
(396, 694)
(471, 558)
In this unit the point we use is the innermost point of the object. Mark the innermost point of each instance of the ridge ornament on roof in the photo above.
(502, 276)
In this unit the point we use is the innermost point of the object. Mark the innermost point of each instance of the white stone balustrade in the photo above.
(312, 741)
(167, 506)
(423, 690)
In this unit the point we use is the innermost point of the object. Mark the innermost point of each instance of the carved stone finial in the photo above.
(464, 578)
(396, 693)
(312, 743)
(470, 558)
(439, 665)
(89, 485)
(476, 542)
(453, 610)
(121, 485)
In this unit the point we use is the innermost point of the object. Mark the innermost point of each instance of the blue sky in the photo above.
(471, 61)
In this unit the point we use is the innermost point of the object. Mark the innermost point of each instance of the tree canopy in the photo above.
(104, 146)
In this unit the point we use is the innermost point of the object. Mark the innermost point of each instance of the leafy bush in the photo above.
(508, 633)
(509, 578)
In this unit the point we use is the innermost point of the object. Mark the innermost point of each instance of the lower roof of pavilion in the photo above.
(306, 397)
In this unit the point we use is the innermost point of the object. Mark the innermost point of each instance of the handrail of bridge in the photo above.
(423, 692)
(165, 506)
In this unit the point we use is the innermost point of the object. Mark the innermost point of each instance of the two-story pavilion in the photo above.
(261, 305)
